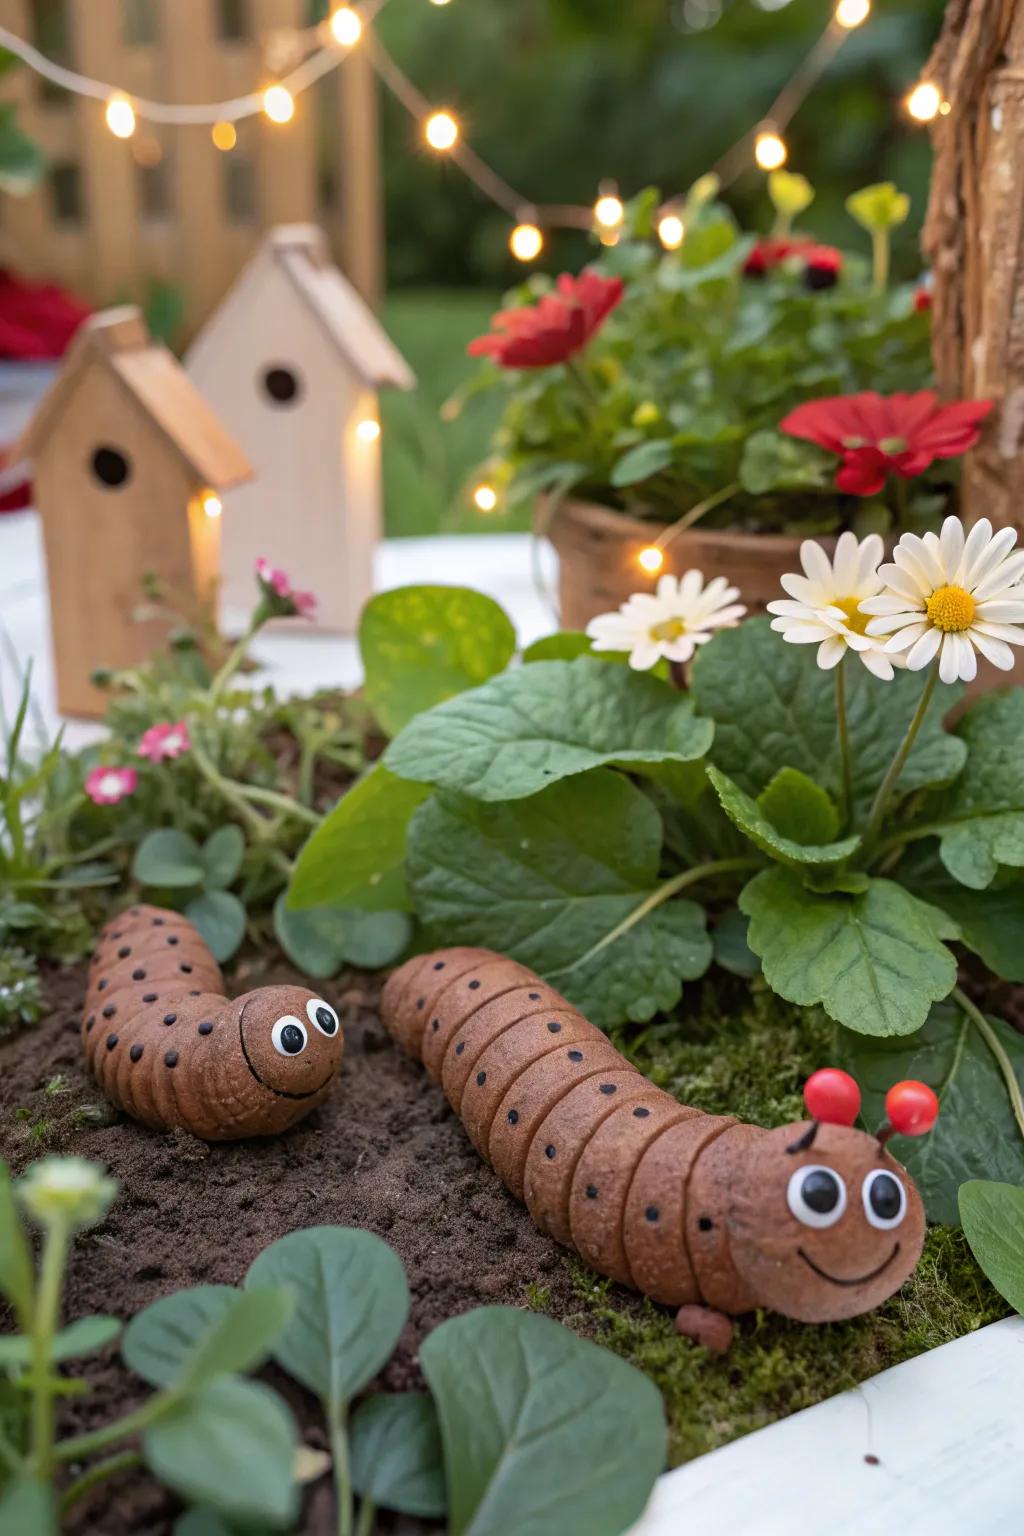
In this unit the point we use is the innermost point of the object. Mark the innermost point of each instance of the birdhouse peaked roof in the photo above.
(300, 252)
(117, 339)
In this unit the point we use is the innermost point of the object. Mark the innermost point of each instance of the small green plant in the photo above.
(512, 1395)
(21, 998)
(993, 1219)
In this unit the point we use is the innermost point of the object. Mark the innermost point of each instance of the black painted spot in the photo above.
(481, 1078)
(534, 997)
(460, 1047)
(138, 975)
(171, 1059)
(641, 1113)
(575, 1055)
(111, 1042)
(513, 1117)
(90, 1021)
(607, 1087)
(102, 986)
(109, 1011)
(195, 992)
(549, 1151)
(170, 1018)
(124, 952)
(591, 1191)
(135, 1053)
(435, 1024)
(206, 1028)
(473, 986)
(173, 939)
(652, 1213)
(554, 1027)
(420, 1002)
(150, 997)
(705, 1223)
(158, 922)
(438, 965)
(186, 968)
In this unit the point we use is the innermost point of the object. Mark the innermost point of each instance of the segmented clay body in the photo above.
(684, 1206)
(168, 1047)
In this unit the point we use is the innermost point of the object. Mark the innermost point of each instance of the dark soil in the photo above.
(385, 1154)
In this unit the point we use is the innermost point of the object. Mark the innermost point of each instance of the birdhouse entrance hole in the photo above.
(111, 467)
(282, 385)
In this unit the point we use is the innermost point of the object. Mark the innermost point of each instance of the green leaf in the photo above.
(732, 952)
(564, 645)
(320, 940)
(563, 882)
(423, 644)
(231, 1446)
(84, 1337)
(202, 1332)
(220, 918)
(525, 730)
(222, 856)
(28, 1507)
(749, 816)
(774, 462)
(993, 1221)
(982, 816)
(976, 1135)
(168, 857)
(351, 1303)
(878, 207)
(640, 463)
(376, 939)
(773, 708)
(799, 809)
(875, 961)
(543, 1433)
(395, 1449)
(356, 857)
(17, 1282)
(22, 161)
(991, 922)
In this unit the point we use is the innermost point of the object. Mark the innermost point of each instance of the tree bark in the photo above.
(974, 240)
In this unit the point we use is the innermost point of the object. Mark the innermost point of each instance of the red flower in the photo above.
(879, 435)
(554, 330)
(922, 299)
(771, 252)
(822, 266)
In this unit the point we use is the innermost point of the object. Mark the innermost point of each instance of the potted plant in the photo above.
(714, 404)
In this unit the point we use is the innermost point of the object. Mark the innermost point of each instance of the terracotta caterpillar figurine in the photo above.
(814, 1220)
(167, 1046)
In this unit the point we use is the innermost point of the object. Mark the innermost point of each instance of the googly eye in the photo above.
(322, 1016)
(885, 1199)
(816, 1196)
(289, 1035)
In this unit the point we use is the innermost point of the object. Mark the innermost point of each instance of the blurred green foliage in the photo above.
(558, 94)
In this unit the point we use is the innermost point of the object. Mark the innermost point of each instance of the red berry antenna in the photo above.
(832, 1098)
(911, 1109)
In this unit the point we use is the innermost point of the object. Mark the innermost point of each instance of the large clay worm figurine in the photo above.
(167, 1046)
(814, 1220)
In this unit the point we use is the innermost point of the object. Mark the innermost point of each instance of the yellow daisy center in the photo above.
(951, 609)
(855, 620)
(668, 629)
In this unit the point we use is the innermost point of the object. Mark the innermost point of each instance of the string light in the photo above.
(671, 231)
(211, 504)
(368, 430)
(279, 103)
(441, 131)
(852, 13)
(526, 243)
(770, 151)
(120, 117)
(924, 102)
(651, 559)
(608, 211)
(485, 498)
(224, 135)
(346, 26)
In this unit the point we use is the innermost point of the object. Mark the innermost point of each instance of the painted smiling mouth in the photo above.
(858, 1279)
(280, 1092)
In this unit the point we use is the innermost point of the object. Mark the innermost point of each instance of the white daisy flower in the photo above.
(825, 605)
(669, 623)
(950, 596)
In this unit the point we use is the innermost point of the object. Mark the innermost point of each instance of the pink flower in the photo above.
(165, 740)
(283, 600)
(106, 786)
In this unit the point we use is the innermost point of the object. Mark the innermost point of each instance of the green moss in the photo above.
(746, 1053)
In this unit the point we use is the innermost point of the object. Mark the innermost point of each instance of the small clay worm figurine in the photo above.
(168, 1047)
(815, 1220)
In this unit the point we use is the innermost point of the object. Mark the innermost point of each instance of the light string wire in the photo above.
(326, 58)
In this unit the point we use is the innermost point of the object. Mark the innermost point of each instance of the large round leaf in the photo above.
(395, 1447)
(220, 918)
(202, 1332)
(168, 857)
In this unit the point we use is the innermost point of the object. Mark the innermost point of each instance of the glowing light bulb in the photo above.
(441, 131)
(120, 117)
(924, 102)
(651, 559)
(769, 151)
(526, 242)
(346, 27)
(211, 504)
(278, 104)
(368, 430)
(852, 13)
(671, 231)
(608, 211)
(439, 2)
(224, 136)
(485, 498)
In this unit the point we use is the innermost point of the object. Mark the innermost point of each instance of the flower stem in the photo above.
(845, 755)
(44, 1327)
(237, 653)
(888, 784)
(995, 1045)
(339, 1456)
(124, 1461)
(880, 245)
(694, 514)
(367, 1511)
(584, 382)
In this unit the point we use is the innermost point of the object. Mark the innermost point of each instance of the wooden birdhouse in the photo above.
(129, 465)
(292, 362)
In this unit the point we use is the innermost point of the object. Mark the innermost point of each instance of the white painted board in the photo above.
(948, 1432)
